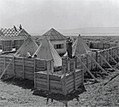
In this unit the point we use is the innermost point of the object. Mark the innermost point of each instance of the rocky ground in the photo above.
(19, 93)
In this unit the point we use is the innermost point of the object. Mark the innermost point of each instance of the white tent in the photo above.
(46, 51)
(79, 47)
(27, 49)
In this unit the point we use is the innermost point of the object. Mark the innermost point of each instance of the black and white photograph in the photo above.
(59, 53)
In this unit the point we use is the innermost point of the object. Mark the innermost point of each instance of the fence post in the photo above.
(23, 67)
(74, 73)
(48, 78)
(13, 66)
(35, 85)
(64, 76)
(4, 62)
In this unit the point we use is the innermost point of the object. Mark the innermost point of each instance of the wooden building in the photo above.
(12, 38)
(57, 39)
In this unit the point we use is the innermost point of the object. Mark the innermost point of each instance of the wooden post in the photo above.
(86, 61)
(74, 73)
(76, 62)
(34, 73)
(64, 77)
(52, 66)
(68, 63)
(107, 55)
(48, 78)
(96, 58)
(4, 62)
(23, 67)
(13, 66)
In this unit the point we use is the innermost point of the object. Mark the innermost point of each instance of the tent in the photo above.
(79, 47)
(46, 51)
(27, 49)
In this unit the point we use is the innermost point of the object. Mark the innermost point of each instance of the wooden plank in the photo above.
(35, 76)
(48, 78)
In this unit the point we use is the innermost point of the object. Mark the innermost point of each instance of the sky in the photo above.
(37, 15)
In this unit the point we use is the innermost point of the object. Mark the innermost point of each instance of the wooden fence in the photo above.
(62, 84)
(68, 79)
(110, 55)
(21, 67)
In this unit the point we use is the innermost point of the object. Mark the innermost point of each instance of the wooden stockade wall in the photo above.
(106, 53)
(40, 72)
(101, 45)
(64, 84)
(21, 67)
(68, 79)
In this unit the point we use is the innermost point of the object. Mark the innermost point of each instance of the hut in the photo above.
(12, 38)
(27, 49)
(46, 51)
(57, 39)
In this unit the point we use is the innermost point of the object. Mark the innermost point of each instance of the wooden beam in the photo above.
(48, 78)
(97, 64)
(105, 60)
(23, 66)
(74, 74)
(13, 66)
(87, 69)
(112, 58)
(35, 83)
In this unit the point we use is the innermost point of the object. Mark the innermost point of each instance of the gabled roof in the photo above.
(80, 47)
(12, 32)
(54, 35)
(28, 46)
(46, 51)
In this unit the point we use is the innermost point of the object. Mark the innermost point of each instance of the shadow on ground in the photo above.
(24, 83)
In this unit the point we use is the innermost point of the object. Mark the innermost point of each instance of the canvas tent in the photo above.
(46, 51)
(79, 47)
(28, 48)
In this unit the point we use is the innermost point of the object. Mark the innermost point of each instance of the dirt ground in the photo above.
(19, 93)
